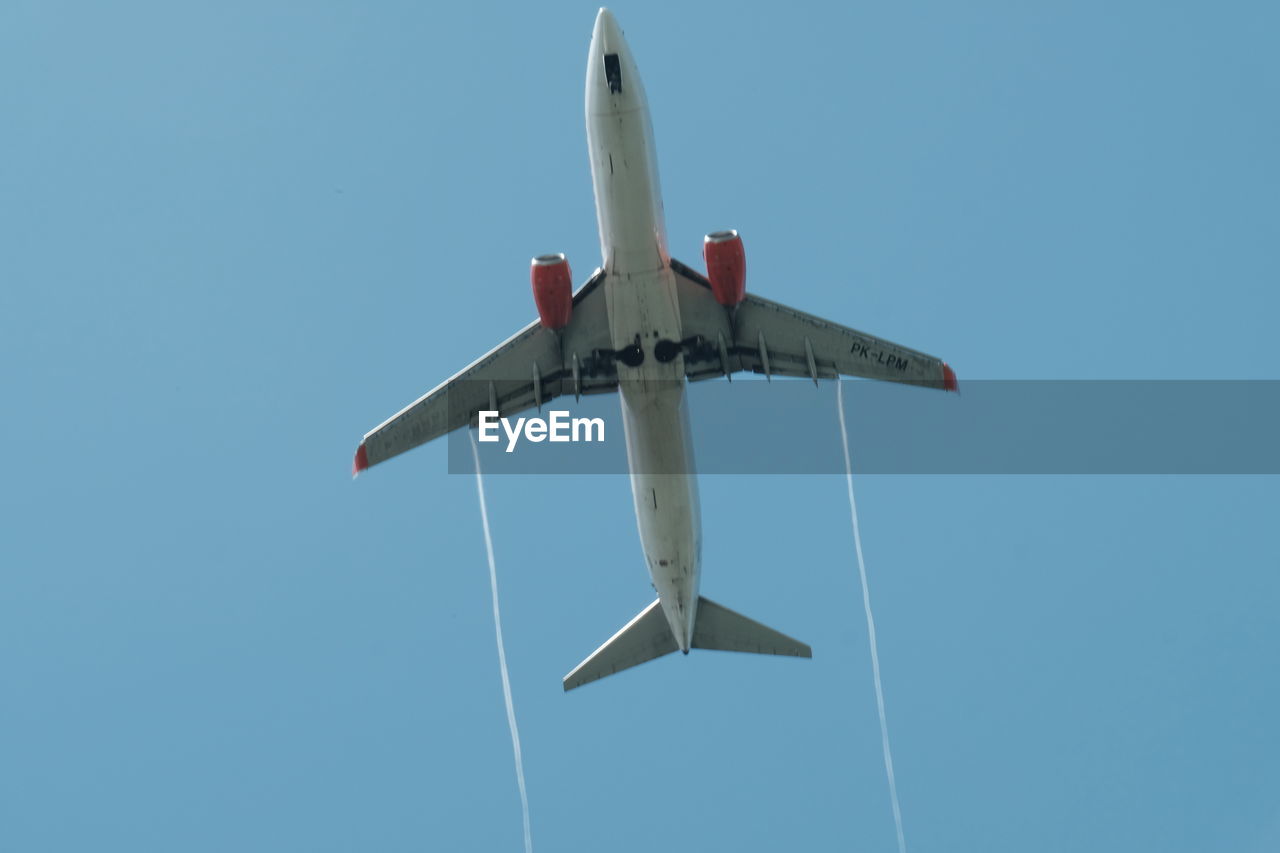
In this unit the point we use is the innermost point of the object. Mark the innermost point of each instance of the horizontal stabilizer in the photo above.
(720, 628)
(643, 638)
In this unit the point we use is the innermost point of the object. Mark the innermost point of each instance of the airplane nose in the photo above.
(607, 34)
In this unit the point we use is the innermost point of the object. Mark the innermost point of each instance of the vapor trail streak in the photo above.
(502, 651)
(871, 623)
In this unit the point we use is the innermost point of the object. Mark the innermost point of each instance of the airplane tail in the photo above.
(648, 636)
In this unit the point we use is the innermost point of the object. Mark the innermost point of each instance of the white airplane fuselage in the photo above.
(640, 291)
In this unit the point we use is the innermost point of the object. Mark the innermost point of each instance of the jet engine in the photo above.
(552, 290)
(726, 266)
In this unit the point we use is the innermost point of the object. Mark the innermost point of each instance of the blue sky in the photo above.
(234, 237)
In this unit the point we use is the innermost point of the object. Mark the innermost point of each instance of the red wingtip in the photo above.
(361, 462)
(949, 381)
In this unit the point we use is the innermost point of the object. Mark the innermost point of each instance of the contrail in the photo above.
(871, 623)
(502, 651)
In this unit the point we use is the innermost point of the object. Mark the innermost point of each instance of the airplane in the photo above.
(644, 324)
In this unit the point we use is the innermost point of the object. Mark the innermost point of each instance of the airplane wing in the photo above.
(767, 337)
(531, 367)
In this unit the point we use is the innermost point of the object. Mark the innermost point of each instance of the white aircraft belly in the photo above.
(632, 232)
(640, 292)
(664, 488)
(659, 452)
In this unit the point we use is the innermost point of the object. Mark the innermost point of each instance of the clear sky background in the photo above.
(236, 236)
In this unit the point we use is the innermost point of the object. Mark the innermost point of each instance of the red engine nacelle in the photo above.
(726, 266)
(552, 290)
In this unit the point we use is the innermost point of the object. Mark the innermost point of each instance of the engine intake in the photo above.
(552, 290)
(726, 266)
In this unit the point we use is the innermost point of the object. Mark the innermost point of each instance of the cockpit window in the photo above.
(613, 72)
